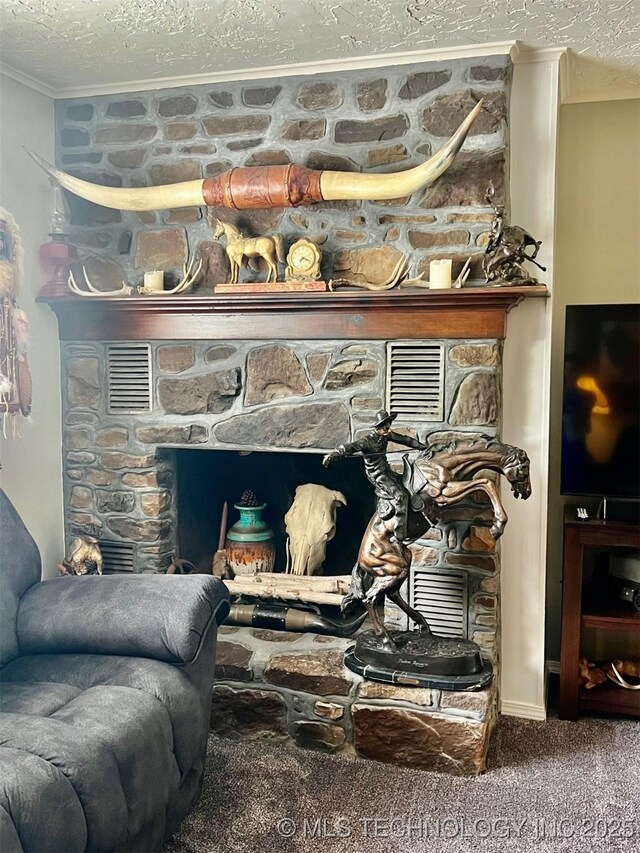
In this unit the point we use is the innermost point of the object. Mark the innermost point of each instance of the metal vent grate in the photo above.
(415, 380)
(117, 556)
(129, 378)
(442, 598)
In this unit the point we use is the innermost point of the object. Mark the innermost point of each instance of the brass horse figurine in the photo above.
(240, 247)
(442, 475)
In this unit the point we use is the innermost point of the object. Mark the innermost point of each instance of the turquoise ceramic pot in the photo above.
(250, 547)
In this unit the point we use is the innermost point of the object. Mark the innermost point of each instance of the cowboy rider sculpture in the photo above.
(393, 496)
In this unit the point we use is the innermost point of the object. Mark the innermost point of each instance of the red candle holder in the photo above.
(57, 254)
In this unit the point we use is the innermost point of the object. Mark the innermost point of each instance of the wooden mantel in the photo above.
(471, 312)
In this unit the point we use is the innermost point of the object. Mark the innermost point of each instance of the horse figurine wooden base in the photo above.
(239, 247)
(442, 475)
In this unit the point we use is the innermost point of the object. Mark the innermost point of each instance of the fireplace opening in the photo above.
(208, 478)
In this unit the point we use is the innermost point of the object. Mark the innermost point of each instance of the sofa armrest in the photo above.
(165, 617)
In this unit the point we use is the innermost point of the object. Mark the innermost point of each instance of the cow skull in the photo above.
(310, 524)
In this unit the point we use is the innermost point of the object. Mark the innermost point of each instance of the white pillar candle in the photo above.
(440, 274)
(154, 280)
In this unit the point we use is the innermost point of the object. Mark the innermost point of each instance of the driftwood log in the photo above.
(312, 590)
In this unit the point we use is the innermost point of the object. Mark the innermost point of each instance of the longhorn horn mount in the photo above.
(269, 186)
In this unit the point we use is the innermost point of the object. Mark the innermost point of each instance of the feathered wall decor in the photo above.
(15, 376)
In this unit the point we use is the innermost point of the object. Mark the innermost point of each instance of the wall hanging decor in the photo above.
(15, 376)
(255, 187)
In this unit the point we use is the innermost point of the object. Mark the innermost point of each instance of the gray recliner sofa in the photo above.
(105, 689)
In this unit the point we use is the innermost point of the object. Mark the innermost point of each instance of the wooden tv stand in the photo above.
(607, 697)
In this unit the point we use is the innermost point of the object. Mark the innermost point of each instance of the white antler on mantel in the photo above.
(125, 290)
(190, 272)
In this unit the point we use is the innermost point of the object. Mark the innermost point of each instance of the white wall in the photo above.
(31, 472)
(526, 381)
(597, 260)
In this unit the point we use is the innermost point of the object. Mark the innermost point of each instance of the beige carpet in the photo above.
(552, 786)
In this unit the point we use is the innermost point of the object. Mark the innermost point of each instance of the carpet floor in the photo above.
(551, 786)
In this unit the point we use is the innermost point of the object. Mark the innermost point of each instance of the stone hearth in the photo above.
(285, 686)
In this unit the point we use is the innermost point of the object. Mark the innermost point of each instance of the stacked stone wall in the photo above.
(377, 120)
(119, 471)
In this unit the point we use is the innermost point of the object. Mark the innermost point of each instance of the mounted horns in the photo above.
(270, 186)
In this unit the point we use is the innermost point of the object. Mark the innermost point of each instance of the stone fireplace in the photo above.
(164, 399)
(258, 405)
(159, 431)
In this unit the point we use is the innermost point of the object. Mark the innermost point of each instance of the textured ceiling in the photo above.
(65, 44)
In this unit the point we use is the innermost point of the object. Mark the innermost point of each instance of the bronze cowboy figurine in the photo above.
(508, 248)
(440, 475)
(393, 496)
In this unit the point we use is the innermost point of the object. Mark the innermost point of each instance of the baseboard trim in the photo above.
(525, 710)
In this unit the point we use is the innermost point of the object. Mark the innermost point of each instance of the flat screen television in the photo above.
(601, 401)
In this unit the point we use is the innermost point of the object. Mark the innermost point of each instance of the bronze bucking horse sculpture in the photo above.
(508, 248)
(441, 476)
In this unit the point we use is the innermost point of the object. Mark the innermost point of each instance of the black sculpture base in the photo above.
(420, 660)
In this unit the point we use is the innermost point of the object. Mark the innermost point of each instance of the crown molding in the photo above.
(355, 63)
(522, 53)
(27, 80)
(581, 80)
(584, 80)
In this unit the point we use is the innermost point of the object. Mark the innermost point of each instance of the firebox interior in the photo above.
(206, 479)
